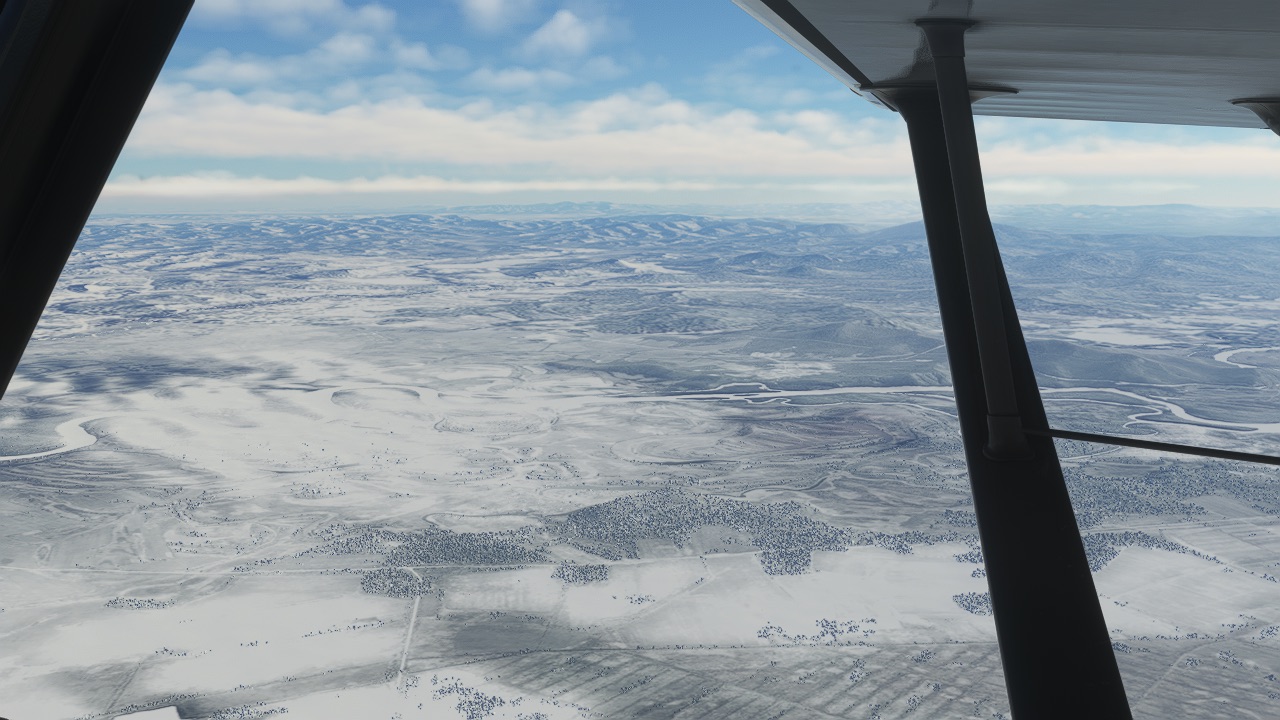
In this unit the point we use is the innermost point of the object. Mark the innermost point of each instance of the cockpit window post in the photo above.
(74, 75)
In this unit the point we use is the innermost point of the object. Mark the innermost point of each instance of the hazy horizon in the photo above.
(276, 104)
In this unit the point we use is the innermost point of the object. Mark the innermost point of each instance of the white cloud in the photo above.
(1099, 155)
(335, 59)
(527, 80)
(602, 68)
(643, 134)
(225, 191)
(338, 54)
(223, 184)
(418, 56)
(295, 17)
(344, 48)
(645, 138)
(639, 133)
(496, 15)
(223, 68)
(564, 35)
(750, 76)
(518, 79)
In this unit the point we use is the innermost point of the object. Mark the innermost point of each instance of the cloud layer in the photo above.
(294, 17)
(544, 102)
(644, 132)
(496, 15)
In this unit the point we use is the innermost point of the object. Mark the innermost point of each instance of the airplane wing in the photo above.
(1184, 62)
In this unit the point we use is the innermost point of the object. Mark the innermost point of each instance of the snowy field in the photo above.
(615, 467)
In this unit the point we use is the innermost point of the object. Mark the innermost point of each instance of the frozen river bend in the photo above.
(659, 466)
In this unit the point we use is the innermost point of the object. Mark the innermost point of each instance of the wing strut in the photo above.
(73, 77)
(1005, 439)
(1054, 646)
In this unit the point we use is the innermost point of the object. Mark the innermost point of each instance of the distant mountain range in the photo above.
(1173, 219)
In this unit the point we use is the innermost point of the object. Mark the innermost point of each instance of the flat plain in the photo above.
(657, 466)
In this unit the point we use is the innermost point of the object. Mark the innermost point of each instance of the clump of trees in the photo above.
(394, 582)
(574, 574)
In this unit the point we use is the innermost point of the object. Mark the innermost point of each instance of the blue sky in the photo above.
(283, 105)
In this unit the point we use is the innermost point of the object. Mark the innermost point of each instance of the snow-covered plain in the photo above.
(659, 466)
